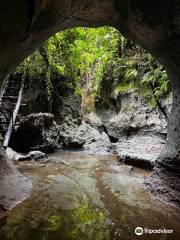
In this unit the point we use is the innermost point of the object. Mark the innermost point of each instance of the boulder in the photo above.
(67, 132)
(14, 187)
(94, 121)
(140, 150)
(94, 141)
(87, 138)
(36, 156)
(70, 120)
(36, 132)
(33, 155)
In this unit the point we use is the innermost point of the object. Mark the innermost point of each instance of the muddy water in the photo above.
(78, 196)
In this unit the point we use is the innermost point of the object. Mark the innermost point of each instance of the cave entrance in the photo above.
(153, 25)
(95, 76)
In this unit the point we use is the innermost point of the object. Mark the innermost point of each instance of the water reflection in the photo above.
(84, 222)
(81, 197)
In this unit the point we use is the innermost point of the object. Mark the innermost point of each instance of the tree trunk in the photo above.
(43, 53)
(14, 187)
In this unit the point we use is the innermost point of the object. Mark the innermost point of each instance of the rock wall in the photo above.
(137, 129)
(14, 187)
(134, 116)
(66, 110)
(65, 103)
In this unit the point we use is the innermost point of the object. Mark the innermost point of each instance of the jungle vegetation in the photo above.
(101, 61)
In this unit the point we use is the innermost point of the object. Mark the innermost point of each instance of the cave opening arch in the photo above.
(154, 25)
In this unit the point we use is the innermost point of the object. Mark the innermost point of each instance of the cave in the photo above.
(154, 25)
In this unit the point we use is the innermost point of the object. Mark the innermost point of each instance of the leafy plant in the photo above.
(100, 62)
(89, 224)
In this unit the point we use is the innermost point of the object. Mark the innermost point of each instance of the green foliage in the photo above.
(136, 69)
(54, 223)
(159, 79)
(82, 223)
(33, 65)
(92, 57)
(89, 224)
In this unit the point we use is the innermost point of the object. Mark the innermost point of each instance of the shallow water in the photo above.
(81, 196)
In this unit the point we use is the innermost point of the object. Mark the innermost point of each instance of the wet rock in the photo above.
(36, 132)
(13, 155)
(37, 155)
(85, 137)
(140, 150)
(33, 155)
(94, 121)
(89, 139)
(67, 132)
(14, 187)
(164, 183)
(137, 130)
(136, 116)
(105, 108)
(69, 109)
(70, 115)
(95, 141)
